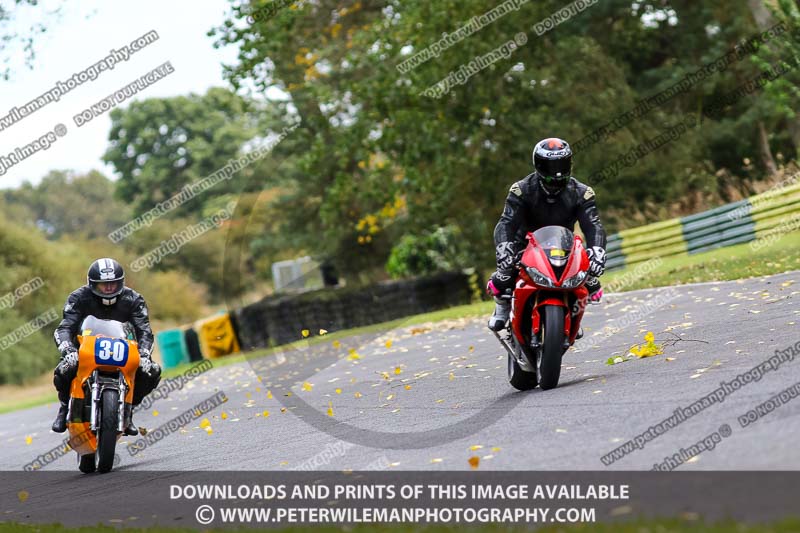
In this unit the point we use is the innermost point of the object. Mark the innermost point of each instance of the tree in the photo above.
(159, 145)
(65, 203)
(9, 37)
(370, 137)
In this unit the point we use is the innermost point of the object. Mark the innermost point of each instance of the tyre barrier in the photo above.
(280, 319)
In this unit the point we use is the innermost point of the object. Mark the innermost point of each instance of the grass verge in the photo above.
(722, 264)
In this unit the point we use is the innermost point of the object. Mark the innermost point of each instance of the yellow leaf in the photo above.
(330, 408)
(269, 394)
(389, 343)
(209, 430)
(28, 439)
(305, 333)
(22, 495)
(495, 449)
(338, 391)
(307, 386)
(474, 461)
(475, 447)
(385, 375)
(408, 387)
(452, 376)
(265, 414)
(336, 344)
(224, 415)
(649, 337)
(397, 370)
(205, 423)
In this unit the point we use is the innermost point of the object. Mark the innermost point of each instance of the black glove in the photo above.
(597, 261)
(68, 362)
(148, 365)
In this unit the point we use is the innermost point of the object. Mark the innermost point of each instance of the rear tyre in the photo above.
(518, 378)
(548, 362)
(107, 430)
(86, 463)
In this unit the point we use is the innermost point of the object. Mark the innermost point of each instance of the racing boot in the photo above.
(502, 310)
(60, 423)
(130, 428)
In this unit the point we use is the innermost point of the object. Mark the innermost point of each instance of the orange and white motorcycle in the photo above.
(108, 358)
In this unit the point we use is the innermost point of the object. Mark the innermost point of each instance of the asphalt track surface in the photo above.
(436, 396)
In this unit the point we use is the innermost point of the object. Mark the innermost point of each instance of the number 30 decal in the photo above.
(111, 352)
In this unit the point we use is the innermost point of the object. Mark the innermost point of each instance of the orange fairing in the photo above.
(82, 440)
(87, 363)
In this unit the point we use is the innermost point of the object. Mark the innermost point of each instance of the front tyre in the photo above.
(107, 431)
(548, 362)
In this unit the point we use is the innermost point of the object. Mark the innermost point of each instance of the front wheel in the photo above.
(107, 430)
(548, 361)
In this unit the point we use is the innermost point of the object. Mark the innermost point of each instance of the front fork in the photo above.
(97, 391)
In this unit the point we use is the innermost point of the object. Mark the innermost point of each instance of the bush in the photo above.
(440, 250)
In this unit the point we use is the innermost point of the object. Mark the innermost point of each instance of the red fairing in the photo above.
(536, 257)
(578, 260)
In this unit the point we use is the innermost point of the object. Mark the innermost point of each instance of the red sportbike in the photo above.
(546, 308)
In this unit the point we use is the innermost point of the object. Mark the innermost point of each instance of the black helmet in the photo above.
(553, 161)
(110, 274)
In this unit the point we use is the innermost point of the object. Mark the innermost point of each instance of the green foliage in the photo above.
(159, 145)
(439, 250)
(25, 255)
(26, 38)
(31, 356)
(172, 296)
(63, 203)
(453, 159)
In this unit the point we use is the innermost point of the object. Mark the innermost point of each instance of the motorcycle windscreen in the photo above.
(557, 242)
(92, 325)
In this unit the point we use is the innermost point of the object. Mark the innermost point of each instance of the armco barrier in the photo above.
(280, 319)
(734, 223)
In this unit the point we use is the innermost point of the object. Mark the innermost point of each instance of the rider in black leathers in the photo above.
(106, 297)
(548, 197)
